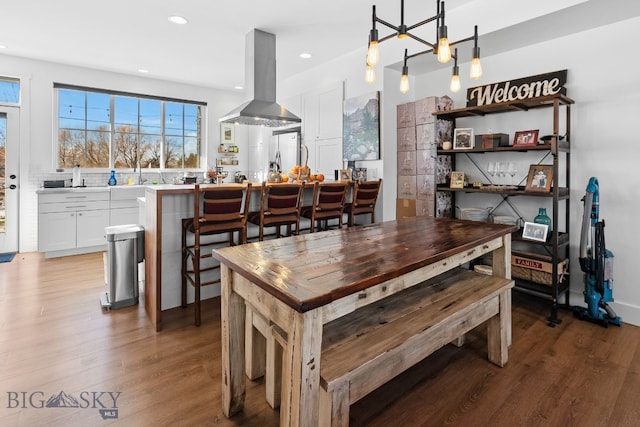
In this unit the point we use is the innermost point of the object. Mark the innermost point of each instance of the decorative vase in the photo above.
(112, 178)
(543, 218)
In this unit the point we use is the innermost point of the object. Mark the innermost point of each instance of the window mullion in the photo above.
(112, 135)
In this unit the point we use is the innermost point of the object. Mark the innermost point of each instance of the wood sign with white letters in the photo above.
(519, 89)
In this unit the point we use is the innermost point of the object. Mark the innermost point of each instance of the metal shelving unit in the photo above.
(557, 245)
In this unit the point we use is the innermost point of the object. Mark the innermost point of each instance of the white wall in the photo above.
(606, 93)
(37, 120)
(602, 80)
(604, 87)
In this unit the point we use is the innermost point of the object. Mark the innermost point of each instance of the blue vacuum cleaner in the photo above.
(596, 261)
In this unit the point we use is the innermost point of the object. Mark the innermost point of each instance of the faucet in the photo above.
(139, 172)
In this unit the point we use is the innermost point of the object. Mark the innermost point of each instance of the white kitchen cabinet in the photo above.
(56, 231)
(123, 205)
(322, 127)
(72, 220)
(90, 227)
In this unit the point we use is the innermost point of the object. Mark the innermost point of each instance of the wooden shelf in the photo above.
(504, 107)
(563, 239)
(562, 146)
(563, 192)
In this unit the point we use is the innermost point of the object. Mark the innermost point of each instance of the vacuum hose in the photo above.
(600, 252)
(603, 305)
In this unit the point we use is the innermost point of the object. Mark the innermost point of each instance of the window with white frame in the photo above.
(9, 91)
(108, 129)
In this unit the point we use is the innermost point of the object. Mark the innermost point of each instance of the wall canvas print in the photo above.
(361, 127)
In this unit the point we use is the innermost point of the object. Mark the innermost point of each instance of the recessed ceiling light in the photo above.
(2, 46)
(142, 71)
(177, 19)
(305, 55)
(238, 87)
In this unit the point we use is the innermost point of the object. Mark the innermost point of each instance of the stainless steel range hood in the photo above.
(260, 82)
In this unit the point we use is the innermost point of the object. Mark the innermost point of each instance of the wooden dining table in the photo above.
(301, 283)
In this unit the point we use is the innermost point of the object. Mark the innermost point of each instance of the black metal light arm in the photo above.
(405, 31)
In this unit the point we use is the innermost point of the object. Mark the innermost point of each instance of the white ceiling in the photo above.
(126, 35)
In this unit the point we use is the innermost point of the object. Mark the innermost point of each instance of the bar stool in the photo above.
(365, 195)
(280, 205)
(328, 203)
(223, 210)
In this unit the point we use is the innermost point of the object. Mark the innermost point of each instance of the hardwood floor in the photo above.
(54, 338)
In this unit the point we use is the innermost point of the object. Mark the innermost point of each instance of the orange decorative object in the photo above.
(320, 177)
(312, 177)
(284, 177)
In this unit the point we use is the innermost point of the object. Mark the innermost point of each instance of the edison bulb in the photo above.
(476, 69)
(370, 74)
(444, 50)
(455, 83)
(404, 83)
(373, 55)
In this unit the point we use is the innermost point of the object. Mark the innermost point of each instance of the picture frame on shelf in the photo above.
(463, 139)
(535, 232)
(457, 180)
(525, 138)
(540, 178)
(345, 174)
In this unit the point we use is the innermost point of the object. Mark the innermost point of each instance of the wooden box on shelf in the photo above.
(492, 140)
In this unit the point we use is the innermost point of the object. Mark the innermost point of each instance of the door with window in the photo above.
(9, 136)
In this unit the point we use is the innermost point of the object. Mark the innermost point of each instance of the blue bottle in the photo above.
(112, 178)
(543, 218)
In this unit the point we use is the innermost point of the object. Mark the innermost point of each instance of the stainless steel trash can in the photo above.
(125, 250)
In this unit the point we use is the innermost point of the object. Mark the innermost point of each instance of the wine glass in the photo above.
(491, 169)
(502, 169)
(512, 170)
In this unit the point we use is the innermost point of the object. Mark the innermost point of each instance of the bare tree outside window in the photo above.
(103, 130)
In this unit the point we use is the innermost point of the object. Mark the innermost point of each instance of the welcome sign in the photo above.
(519, 89)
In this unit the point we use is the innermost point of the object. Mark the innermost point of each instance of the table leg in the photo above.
(502, 267)
(301, 371)
(233, 328)
(497, 329)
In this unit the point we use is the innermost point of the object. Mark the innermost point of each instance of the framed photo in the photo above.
(533, 231)
(457, 180)
(345, 174)
(525, 138)
(226, 134)
(463, 139)
(360, 174)
(540, 178)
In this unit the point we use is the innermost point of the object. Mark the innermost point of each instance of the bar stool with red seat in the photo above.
(280, 204)
(365, 195)
(223, 209)
(328, 203)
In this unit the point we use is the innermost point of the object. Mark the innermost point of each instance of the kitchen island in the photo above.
(165, 207)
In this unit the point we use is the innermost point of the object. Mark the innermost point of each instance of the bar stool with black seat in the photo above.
(224, 209)
(365, 195)
(328, 203)
(280, 204)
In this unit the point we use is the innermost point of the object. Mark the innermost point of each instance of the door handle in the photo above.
(12, 187)
(12, 176)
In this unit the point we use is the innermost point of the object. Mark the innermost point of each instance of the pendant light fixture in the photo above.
(455, 77)
(404, 79)
(441, 48)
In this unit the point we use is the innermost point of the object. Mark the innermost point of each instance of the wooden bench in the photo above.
(370, 346)
(365, 349)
